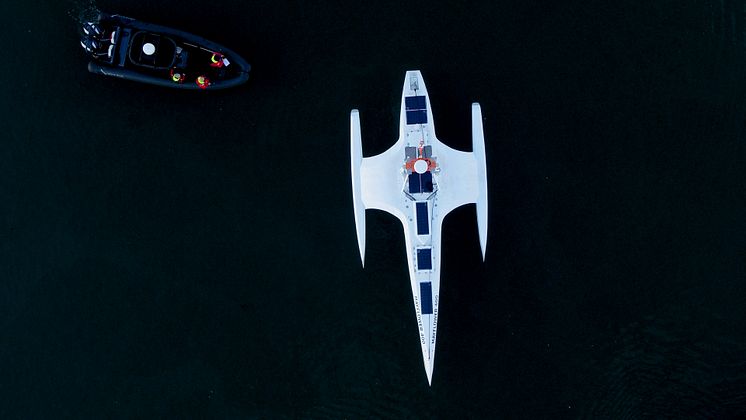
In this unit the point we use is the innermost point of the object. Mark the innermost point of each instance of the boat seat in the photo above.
(114, 35)
(124, 39)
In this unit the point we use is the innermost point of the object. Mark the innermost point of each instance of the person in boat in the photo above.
(216, 60)
(203, 82)
(177, 77)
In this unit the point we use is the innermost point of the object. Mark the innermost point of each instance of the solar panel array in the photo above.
(416, 108)
(420, 183)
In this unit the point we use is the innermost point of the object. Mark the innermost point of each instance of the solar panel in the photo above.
(424, 259)
(426, 296)
(426, 182)
(414, 183)
(417, 117)
(423, 227)
(415, 102)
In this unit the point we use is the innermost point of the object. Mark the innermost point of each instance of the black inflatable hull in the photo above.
(124, 70)
(128, 74)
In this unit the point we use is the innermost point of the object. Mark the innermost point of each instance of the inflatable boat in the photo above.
(129, 49)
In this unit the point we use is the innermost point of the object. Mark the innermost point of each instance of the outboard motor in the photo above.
(93, 47)
(90, 45)
(91, 29)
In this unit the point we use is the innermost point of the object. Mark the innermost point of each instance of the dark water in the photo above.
(183, 255)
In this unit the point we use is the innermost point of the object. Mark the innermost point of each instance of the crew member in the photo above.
(177, 77)
(203, 82)
(216, 60)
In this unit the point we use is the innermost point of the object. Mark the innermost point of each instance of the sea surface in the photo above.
(169, 254)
